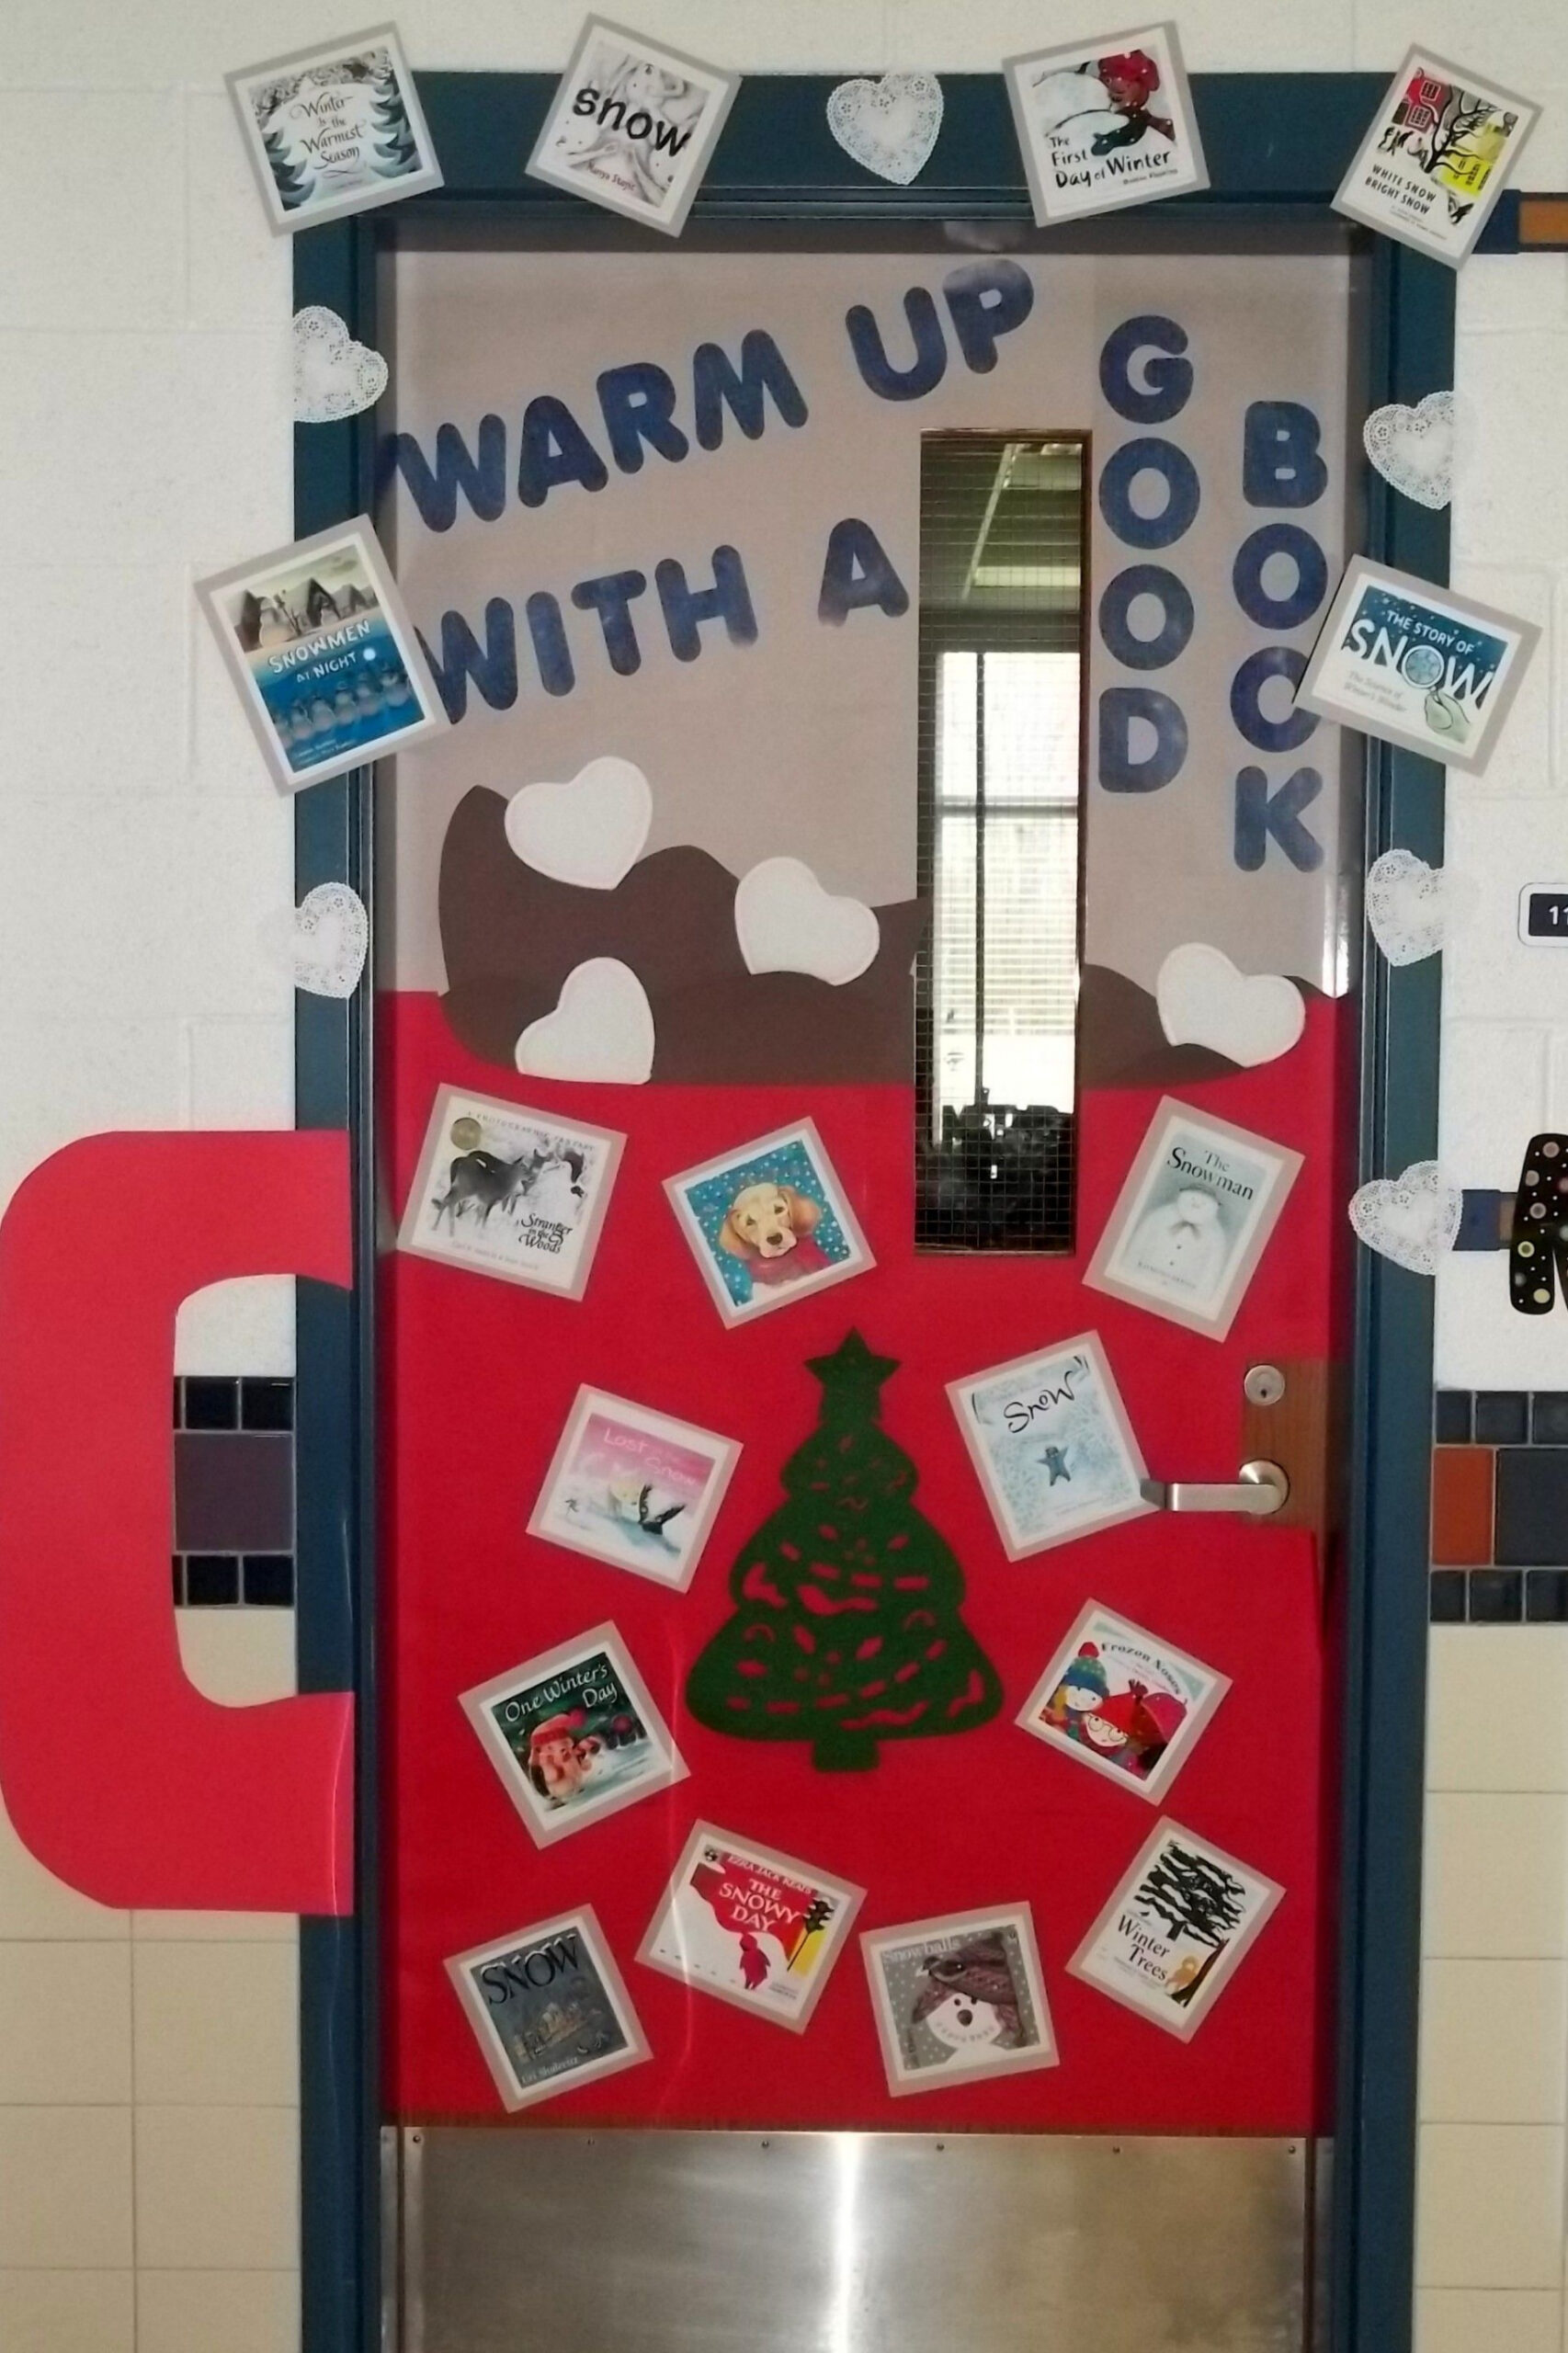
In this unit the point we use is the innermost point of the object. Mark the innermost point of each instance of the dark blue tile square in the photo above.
(1502, 1416)
(267, 1404)
(1450, 1417)
(1549, 1417)
(233, 1491)
(211, 1405)
(1482, 1217)
(1532, 1508)
(1447, 1598)
(1546, 1596)
(1496, 1596)
(269, 1580)
(212, 1580)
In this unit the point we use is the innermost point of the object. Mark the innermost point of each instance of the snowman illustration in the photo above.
(1182, 1244)
(969, 2001)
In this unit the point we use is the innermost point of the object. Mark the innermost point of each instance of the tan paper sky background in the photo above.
(804, 743)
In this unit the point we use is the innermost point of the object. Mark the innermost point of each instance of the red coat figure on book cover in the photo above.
(1136, 1724)
(752, 1908)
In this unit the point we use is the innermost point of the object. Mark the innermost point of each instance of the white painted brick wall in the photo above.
(1504, 1067)
(145, 440)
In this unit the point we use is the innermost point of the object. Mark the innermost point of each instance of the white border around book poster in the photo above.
(1415, 197)
(551, 1217)
(1414, 663)
(328, 660)
(543, 1695)
(1128, 1952)
(953, 1943)
(615, 1538)
(1193, 1218)
(1075, 1708)
(1062, 1404)
(667, 1949)
(1105, 123)
(780, 1266)
(680, 102)
(464, 1969)
(311, 135)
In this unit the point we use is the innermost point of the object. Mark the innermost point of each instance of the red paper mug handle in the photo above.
(119, 1775)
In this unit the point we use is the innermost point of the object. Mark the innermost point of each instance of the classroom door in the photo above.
(866, 1072)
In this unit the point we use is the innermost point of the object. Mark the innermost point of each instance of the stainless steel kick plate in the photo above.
(637, 2241)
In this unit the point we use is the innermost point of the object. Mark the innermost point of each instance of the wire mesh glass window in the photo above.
(1001, 593)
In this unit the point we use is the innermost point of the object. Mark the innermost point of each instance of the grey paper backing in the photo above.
(804, 743)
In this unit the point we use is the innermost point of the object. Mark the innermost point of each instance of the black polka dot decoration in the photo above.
(1538, 1246)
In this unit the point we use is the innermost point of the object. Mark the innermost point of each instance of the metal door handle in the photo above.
(1261, 1490)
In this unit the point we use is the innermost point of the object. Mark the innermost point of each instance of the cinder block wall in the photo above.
(148, 2166)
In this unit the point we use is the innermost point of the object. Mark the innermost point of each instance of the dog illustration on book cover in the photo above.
(770, 1228)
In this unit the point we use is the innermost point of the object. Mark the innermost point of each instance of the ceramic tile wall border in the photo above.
(233, 1534)
(1500, 1508)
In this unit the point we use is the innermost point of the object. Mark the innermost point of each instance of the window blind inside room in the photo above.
(1002, 528)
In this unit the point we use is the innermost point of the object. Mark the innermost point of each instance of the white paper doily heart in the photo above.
(889, 126)
(1410, 906)
(1416, 448)
(1412, 1219)
(331, 934)
(334, 376)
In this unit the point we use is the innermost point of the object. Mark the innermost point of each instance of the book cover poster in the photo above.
(768, 1222)
(1105, 124)
(1049, 1438)
(959, 1998)
(1436, 158)
(637, 1489)
(757, 1928)
(632, 126)
(325, 658)
(1416, 665)
(574, 1734)
(335, 130)
(1123, 1701)
(506, 1191)
(1176, 1929)
(549, 2008)
(1193, 1218)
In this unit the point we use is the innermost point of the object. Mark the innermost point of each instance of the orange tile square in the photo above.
(1461, 1505)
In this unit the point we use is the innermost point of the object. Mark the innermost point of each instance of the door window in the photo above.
(1001, 573)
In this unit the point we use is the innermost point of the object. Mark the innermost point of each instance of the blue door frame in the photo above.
(1277, 146)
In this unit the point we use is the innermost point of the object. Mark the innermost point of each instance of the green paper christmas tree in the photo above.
(846, 1630)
